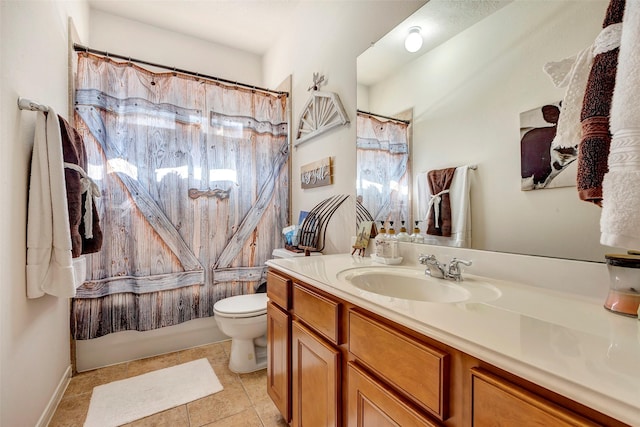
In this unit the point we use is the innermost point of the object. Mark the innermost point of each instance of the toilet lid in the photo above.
(242, 305)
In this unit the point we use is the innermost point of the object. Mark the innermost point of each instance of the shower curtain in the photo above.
(382, 152)
(194, 182)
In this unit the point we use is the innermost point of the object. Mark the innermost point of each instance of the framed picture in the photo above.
(545, 161)
(365, 230)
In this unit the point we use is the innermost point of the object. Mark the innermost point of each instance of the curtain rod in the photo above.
(406, 122)
(80, 48)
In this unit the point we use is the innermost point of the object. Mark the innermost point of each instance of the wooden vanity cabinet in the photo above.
(316, 380)
(332, 363)
(497, 401)
(371, 403)
(279, 343)
(316, 368)
(417, 370)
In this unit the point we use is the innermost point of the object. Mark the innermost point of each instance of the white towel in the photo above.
(460, 208)
(573, 74)
(620, 219)
(49, 262)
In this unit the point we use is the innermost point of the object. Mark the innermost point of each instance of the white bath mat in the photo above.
(124, 401)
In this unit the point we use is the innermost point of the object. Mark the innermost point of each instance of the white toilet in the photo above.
(244, 319)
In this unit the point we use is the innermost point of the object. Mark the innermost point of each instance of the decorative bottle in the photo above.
(403, 236)
(417, 237)
(392, 242)
(381, 245)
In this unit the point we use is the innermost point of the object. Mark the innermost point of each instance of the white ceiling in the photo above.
(254, 25)
(439, 20)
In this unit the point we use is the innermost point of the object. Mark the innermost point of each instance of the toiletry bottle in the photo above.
(381, 242)
(403, 236)
(392, 242)
(417, 237)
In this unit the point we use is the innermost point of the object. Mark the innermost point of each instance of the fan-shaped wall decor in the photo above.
(322, 112)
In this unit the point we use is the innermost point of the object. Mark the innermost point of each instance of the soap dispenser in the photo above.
(381, 245)
(392, 242)
(417, 236)
(403, 236)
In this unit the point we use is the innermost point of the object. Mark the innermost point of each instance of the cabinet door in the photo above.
(279, 359)
(316, 380)
(372, 404)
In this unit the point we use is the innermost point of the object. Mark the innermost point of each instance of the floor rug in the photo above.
(124, 401)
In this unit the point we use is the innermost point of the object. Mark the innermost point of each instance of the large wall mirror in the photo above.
(467, 93)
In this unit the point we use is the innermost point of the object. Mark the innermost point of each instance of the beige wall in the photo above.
(34, 338)
(152, 44)
(467, 96)
(327, 37)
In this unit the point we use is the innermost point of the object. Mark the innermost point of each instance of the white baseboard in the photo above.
(50, 409)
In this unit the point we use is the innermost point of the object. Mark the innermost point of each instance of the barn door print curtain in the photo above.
(382, 153)
(194, 182)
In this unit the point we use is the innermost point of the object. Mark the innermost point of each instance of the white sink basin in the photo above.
(413, 284)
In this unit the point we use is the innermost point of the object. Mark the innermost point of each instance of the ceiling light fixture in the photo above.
(413, 42)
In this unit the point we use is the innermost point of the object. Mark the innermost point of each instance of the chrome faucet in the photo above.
(441, 271)
(434, 267)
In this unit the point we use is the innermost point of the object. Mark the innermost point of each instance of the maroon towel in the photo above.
(593, 152)
(440, 180)
(73, 152)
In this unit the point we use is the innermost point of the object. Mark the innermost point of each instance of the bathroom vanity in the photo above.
(342, 355)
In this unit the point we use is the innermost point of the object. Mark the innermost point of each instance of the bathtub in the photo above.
(125, 346)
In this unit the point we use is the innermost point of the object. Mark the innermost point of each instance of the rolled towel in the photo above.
(594, 146)
(620, 222)
(439, 220)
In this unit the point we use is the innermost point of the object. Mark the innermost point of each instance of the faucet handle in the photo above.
(423, 258)
(454, 268)
(428, 259)
(456, 261)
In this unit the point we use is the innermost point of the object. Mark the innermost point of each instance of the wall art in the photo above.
(544, 161)
(316, 174)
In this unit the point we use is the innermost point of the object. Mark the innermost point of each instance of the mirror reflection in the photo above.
(383, 175)
(467, 91)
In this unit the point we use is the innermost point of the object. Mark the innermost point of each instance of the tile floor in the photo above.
(243, 402)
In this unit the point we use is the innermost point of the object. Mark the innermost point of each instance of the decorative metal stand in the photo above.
(313, 229)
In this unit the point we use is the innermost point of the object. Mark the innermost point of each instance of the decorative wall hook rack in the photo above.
(27, 104)
(322, 112)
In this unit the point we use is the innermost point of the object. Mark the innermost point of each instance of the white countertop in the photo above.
(564, 342)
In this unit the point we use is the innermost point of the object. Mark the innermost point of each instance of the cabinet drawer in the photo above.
(279, 290)
(500, 402)
(372, 404)
(421, 372)
(317, 312)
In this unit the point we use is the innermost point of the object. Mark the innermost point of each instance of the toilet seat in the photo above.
(241, 306)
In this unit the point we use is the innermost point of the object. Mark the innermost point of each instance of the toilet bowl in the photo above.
(243, 318)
